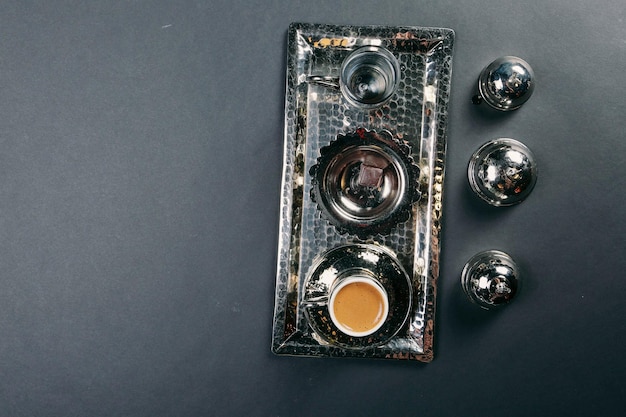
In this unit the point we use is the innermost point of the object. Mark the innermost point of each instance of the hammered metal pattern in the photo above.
(315, 115)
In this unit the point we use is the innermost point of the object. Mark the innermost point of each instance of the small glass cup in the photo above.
(369, 76)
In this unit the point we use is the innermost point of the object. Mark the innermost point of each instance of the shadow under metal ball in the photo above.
(505, 84)
(490, 279)
(502, 172)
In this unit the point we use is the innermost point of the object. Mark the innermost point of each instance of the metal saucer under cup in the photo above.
(369, 262)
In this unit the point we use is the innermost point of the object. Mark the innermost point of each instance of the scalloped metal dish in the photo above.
(315, 115)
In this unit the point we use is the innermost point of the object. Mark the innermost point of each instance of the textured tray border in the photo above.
(287, 339)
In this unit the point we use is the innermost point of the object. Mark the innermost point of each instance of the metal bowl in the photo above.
(506, 83)
(365, 182)
(502, 172)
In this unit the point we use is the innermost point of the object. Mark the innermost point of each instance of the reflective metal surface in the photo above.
(506, 83)
(373, 184)
(502, 172)
(365, 182)
(344, 262)
(490, 279)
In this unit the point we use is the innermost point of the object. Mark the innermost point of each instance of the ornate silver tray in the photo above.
(364, 160)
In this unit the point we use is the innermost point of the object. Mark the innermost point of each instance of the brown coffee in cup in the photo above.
(358, 306)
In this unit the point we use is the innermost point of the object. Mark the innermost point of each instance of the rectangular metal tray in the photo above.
(314, 117)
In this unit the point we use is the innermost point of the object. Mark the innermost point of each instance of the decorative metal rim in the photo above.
(366, 207)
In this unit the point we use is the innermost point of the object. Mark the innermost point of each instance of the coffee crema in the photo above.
(359, 307)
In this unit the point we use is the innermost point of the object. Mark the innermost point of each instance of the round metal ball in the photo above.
(502, 172)
(491, 279)
(506, 83)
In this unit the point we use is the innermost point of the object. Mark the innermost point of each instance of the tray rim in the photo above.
(281, 339)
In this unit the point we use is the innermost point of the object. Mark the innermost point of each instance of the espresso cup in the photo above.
(358, 305)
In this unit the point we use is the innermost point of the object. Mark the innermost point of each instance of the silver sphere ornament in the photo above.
(491, 279)
(502, 172)
(506, 83)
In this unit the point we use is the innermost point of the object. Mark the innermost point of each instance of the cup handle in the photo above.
(315, 301)
(324, 80)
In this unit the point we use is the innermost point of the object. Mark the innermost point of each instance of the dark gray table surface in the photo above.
(140, 163)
